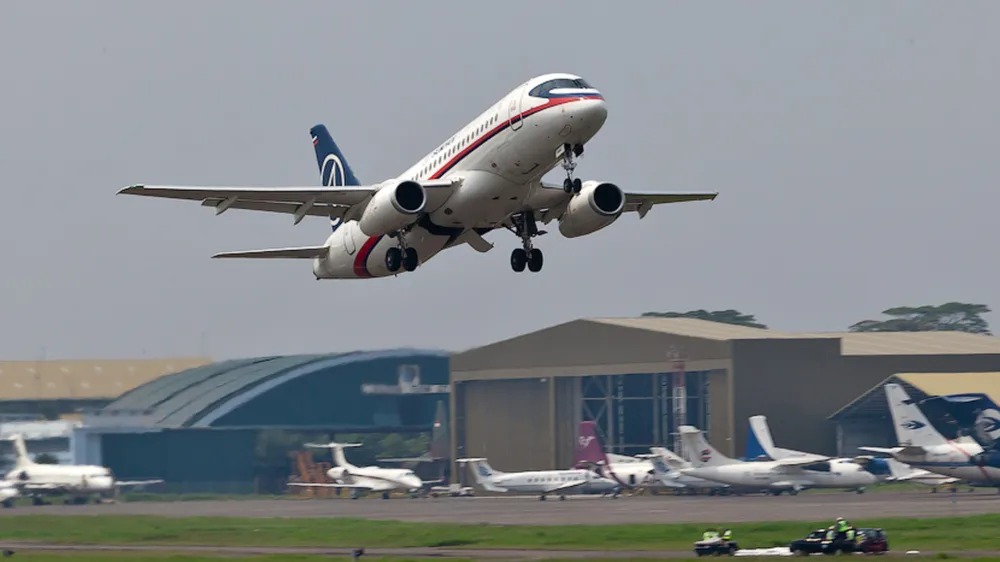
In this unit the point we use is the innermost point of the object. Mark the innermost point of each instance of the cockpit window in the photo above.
(542, 90)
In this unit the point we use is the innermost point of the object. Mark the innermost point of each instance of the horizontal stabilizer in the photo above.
(302, 253)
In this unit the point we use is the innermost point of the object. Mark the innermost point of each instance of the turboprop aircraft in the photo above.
(363, 479)
(921, 445)
(486, 176)
(791, 474)
(542, 482)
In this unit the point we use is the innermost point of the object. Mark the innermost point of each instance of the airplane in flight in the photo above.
(81, 482)
(363, 479)
(777, 476)
(921, 445)
(542, 482)
(486, 176)
(884, 469)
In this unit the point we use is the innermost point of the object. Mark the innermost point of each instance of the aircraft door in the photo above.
(514, 110)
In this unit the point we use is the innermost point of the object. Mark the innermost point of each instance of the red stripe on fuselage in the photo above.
(361, 260)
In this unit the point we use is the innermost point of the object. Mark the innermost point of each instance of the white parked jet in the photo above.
(79, 481)
(542, 482)
(486, 176)
(923, 446)
(363, 479)
(791, 474)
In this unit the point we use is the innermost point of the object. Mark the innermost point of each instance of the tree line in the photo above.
(947, 317)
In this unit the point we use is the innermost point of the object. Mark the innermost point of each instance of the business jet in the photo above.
(921, 445)
(885, 470)
(486, 176)
(542, 482)
(363, 479)
(81, 482)
(777, 476)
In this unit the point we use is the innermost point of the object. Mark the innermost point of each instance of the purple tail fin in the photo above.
(588, 445)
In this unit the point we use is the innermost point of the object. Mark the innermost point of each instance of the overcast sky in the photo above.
(853, 145)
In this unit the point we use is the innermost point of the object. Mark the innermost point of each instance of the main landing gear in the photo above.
(569, 156)
(400, 256)
(526, 228)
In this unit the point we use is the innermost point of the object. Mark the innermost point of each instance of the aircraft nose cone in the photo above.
(594, 112)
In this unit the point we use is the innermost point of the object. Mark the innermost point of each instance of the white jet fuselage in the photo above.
(771, 475)
(376, 478)
(954, 459)
(499, 159)
(541, 481)
(75, 478)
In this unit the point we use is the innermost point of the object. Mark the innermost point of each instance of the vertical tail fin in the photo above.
(698, 451)
(440, 439)
(333, 167)
(912, 426)
(21, 452)
(588, 446)
(664, 461)
(759, 442)
(976, 415)
(484, 474)
(338, 451)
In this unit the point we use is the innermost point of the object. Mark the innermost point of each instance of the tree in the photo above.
(948, 317)
(729, 316)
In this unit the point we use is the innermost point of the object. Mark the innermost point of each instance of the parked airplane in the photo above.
(632, 474)
(885, 470)
(977, 416)
(81, 482)
(486, 176)
(676, 478)
(542, 482)
(363, 479)
(921, 445)
(791, 474)
(435, 460)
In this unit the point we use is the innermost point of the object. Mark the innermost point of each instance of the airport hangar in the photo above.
(195, 423)
(198, 429)
(519, 401)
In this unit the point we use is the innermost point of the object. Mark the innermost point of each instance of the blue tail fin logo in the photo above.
(334, 171)
(333, 167)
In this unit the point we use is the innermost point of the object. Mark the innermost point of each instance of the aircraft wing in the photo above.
(799, 461)
(566, 486)
(128, 483)
(326, 485)
(297, 201)
(905, 450)
(642, 202)
(300, 253)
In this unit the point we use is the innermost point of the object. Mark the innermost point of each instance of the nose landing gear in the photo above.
(569, 154)
(526, 229)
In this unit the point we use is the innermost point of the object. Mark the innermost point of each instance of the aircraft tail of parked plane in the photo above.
(975, 414)
(339, 458)
(485, 474)
(698, 451)
(913, 429)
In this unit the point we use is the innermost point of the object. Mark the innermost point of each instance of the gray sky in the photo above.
(853, 145)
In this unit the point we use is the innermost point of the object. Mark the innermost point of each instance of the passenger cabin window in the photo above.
(542, 90)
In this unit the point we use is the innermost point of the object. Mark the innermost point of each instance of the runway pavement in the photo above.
(592, 510)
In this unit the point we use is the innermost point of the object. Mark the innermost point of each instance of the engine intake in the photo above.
(596, 206)
(392, 207)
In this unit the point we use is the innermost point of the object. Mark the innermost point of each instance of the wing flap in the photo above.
(301, 253)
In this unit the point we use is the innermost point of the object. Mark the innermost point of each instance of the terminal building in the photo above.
(519, 401)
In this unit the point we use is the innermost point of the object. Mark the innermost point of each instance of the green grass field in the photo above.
(958, 533)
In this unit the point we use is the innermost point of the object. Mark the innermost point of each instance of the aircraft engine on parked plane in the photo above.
(392, 207)
(596, 206)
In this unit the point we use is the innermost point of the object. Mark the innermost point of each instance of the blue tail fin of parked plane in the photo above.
(333, 167)
(334, 171)
(755, 451)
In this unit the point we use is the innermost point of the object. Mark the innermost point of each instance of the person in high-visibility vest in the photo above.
(727, 535)
(709, 535)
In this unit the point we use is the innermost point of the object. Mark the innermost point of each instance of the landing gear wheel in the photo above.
(535, 260)
(518, 259)
(577, 185)
(393, 259)
(410, 259)
(569, 155)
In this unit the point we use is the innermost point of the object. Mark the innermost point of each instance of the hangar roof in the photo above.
(919, 386)
(696, 328)
(196, 397)
(913, 343)
(84, 379)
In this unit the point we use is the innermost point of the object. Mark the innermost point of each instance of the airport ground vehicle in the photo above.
(716, 547)
(869, 541)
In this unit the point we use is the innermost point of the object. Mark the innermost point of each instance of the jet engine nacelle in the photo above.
(392, 207)
(596, 206)
(337, 472)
